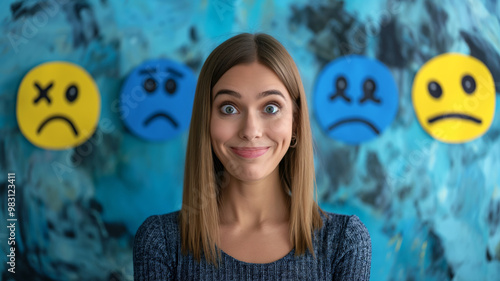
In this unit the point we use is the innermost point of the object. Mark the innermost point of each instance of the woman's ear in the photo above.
(296, 118)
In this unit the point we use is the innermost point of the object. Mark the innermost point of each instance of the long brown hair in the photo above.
(199, 216)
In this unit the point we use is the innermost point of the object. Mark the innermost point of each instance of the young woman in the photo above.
(248, 210)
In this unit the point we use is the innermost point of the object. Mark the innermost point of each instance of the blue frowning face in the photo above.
(355, 99)
(157, 99)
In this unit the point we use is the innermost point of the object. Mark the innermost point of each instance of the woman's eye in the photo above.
(228, 109)
(271, 109)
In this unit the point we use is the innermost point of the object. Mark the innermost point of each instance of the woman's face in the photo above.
(251, 121)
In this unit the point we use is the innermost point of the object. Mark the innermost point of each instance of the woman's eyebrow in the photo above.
(238, 95)
(271, 92)
(227, 92)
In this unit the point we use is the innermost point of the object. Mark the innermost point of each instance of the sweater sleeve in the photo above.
(355, 252)
(151, 260)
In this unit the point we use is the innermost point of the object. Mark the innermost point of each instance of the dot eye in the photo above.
(72, 93)
(435, 89)
(228, 109)
(149, 85)
(170, 86)
(341, 84)
(271, 109)
(468, 84)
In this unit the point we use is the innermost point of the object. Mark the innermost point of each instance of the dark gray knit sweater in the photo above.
(342, 248)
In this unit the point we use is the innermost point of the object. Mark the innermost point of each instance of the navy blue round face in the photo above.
(156, 99)
(355, 99)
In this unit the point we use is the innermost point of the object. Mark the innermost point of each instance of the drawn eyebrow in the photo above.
(174, 72)
(238, 95)
(148, 71)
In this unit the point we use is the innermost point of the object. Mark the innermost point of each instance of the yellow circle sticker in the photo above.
(58, 105)
(454, 98)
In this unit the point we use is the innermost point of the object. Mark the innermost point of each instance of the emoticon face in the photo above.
(355, 99)
(454, 98)
(157, 99)
(58, 105)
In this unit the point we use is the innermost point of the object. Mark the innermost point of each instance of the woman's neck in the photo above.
(250, 205)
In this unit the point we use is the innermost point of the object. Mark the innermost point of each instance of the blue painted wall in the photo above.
(432, 209)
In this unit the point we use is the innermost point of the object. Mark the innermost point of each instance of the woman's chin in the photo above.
(250, 174)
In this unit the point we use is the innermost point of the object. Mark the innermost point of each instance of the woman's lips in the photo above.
(249, 152)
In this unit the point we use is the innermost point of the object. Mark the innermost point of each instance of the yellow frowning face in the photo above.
(58, 105)
(454, 98)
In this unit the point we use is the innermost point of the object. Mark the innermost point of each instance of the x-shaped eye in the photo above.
(369, 88)
(340, 87)
(42, 93)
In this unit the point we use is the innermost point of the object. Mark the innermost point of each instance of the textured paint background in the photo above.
(432, 209)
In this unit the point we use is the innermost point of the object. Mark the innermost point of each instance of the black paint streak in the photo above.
(439, 264)
(19, 9)
(3, 152)
(80, 16)
(404, 192)
(488, 255)
(340, 166)
(94, 204)
(69, 233)
(485, 52)
(493, 134)
(438, 34)
(116, 229)
(337, 33)
(390, 49)
(193, 34)
(494, 217)
(378, 197)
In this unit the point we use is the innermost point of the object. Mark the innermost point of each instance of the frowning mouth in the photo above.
(249, 152)
(160, 115)
(55, 117)
(354, 120)
(454, 116)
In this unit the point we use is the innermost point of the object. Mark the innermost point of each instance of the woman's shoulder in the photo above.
(163, 220)
(347, 226)
(349, 245)
(156, 227)
(155, 247)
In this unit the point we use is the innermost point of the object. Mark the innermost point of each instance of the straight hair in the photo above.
(204, 173)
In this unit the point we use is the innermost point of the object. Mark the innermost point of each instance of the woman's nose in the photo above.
(251, 127)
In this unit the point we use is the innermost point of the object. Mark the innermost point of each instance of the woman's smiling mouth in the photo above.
(249, 152)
